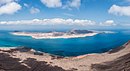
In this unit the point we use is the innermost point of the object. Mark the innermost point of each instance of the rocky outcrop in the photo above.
(8, 63)
(119, 48)
(79, 32)
(119, 64)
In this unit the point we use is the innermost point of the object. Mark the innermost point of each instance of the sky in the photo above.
(64, 13)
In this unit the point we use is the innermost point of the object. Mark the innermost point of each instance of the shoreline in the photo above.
(78, 63)
(32, 50)
(51, 35)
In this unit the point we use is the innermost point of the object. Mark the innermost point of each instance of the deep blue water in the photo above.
(68, 47)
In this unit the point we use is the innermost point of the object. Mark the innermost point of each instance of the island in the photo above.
(55, 35)
(27, 59)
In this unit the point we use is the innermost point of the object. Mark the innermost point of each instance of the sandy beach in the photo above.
(79, 63)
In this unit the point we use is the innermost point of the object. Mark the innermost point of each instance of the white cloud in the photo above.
(9, 8)
(72, 4)
(108, 23)
(58, 3)
(5, 1)
(55, 21)
(59, 21)
(34, 10)
(52, 3)
(75, 3)
(120, 10)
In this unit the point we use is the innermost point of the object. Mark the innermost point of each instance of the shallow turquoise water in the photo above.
(68, 47)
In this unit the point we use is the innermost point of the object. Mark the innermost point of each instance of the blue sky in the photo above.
(93, 12)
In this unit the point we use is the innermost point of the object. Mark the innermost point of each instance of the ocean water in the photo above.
(68, 47)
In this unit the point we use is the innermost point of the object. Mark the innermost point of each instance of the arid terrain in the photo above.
(26, 59)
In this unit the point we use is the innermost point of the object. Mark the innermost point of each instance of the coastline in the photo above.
(50, 35)
(78, 63)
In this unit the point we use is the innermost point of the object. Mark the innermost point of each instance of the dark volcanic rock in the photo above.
(41, 65)
(116, 49)
(120, 64)
(21, 49)
(8, 63)
(56, 57)
(119, 48)
(79, 32)
(16, 31)
(38, 53)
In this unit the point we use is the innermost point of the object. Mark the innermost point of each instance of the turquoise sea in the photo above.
(68, 47)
